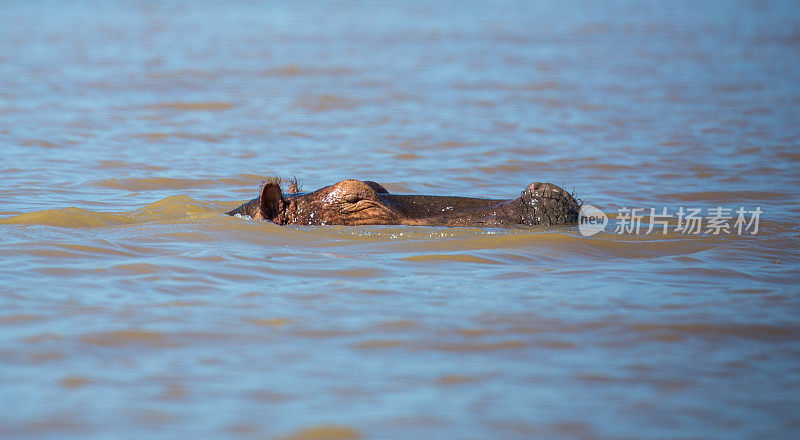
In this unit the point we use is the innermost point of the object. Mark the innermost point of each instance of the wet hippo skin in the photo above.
(357, 202)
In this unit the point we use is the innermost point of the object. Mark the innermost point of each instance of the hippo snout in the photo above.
(548, 204)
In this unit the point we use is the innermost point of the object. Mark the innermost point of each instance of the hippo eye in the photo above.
(351, 198)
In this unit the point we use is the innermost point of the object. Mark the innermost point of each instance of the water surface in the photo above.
(130, 307)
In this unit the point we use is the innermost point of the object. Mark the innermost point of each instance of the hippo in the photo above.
(363, 202)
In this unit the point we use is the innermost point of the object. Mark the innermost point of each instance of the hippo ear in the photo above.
(270, 201)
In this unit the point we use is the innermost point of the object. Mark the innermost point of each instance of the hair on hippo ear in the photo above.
(294, 187)
(270, 200)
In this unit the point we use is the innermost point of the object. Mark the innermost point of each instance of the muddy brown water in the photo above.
(130, 307)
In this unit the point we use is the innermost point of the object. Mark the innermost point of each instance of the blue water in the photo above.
(130, 307)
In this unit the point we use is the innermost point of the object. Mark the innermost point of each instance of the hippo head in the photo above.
(357, 202)
(349, 202)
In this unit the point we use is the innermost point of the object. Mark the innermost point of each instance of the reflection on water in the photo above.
(130, 304)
